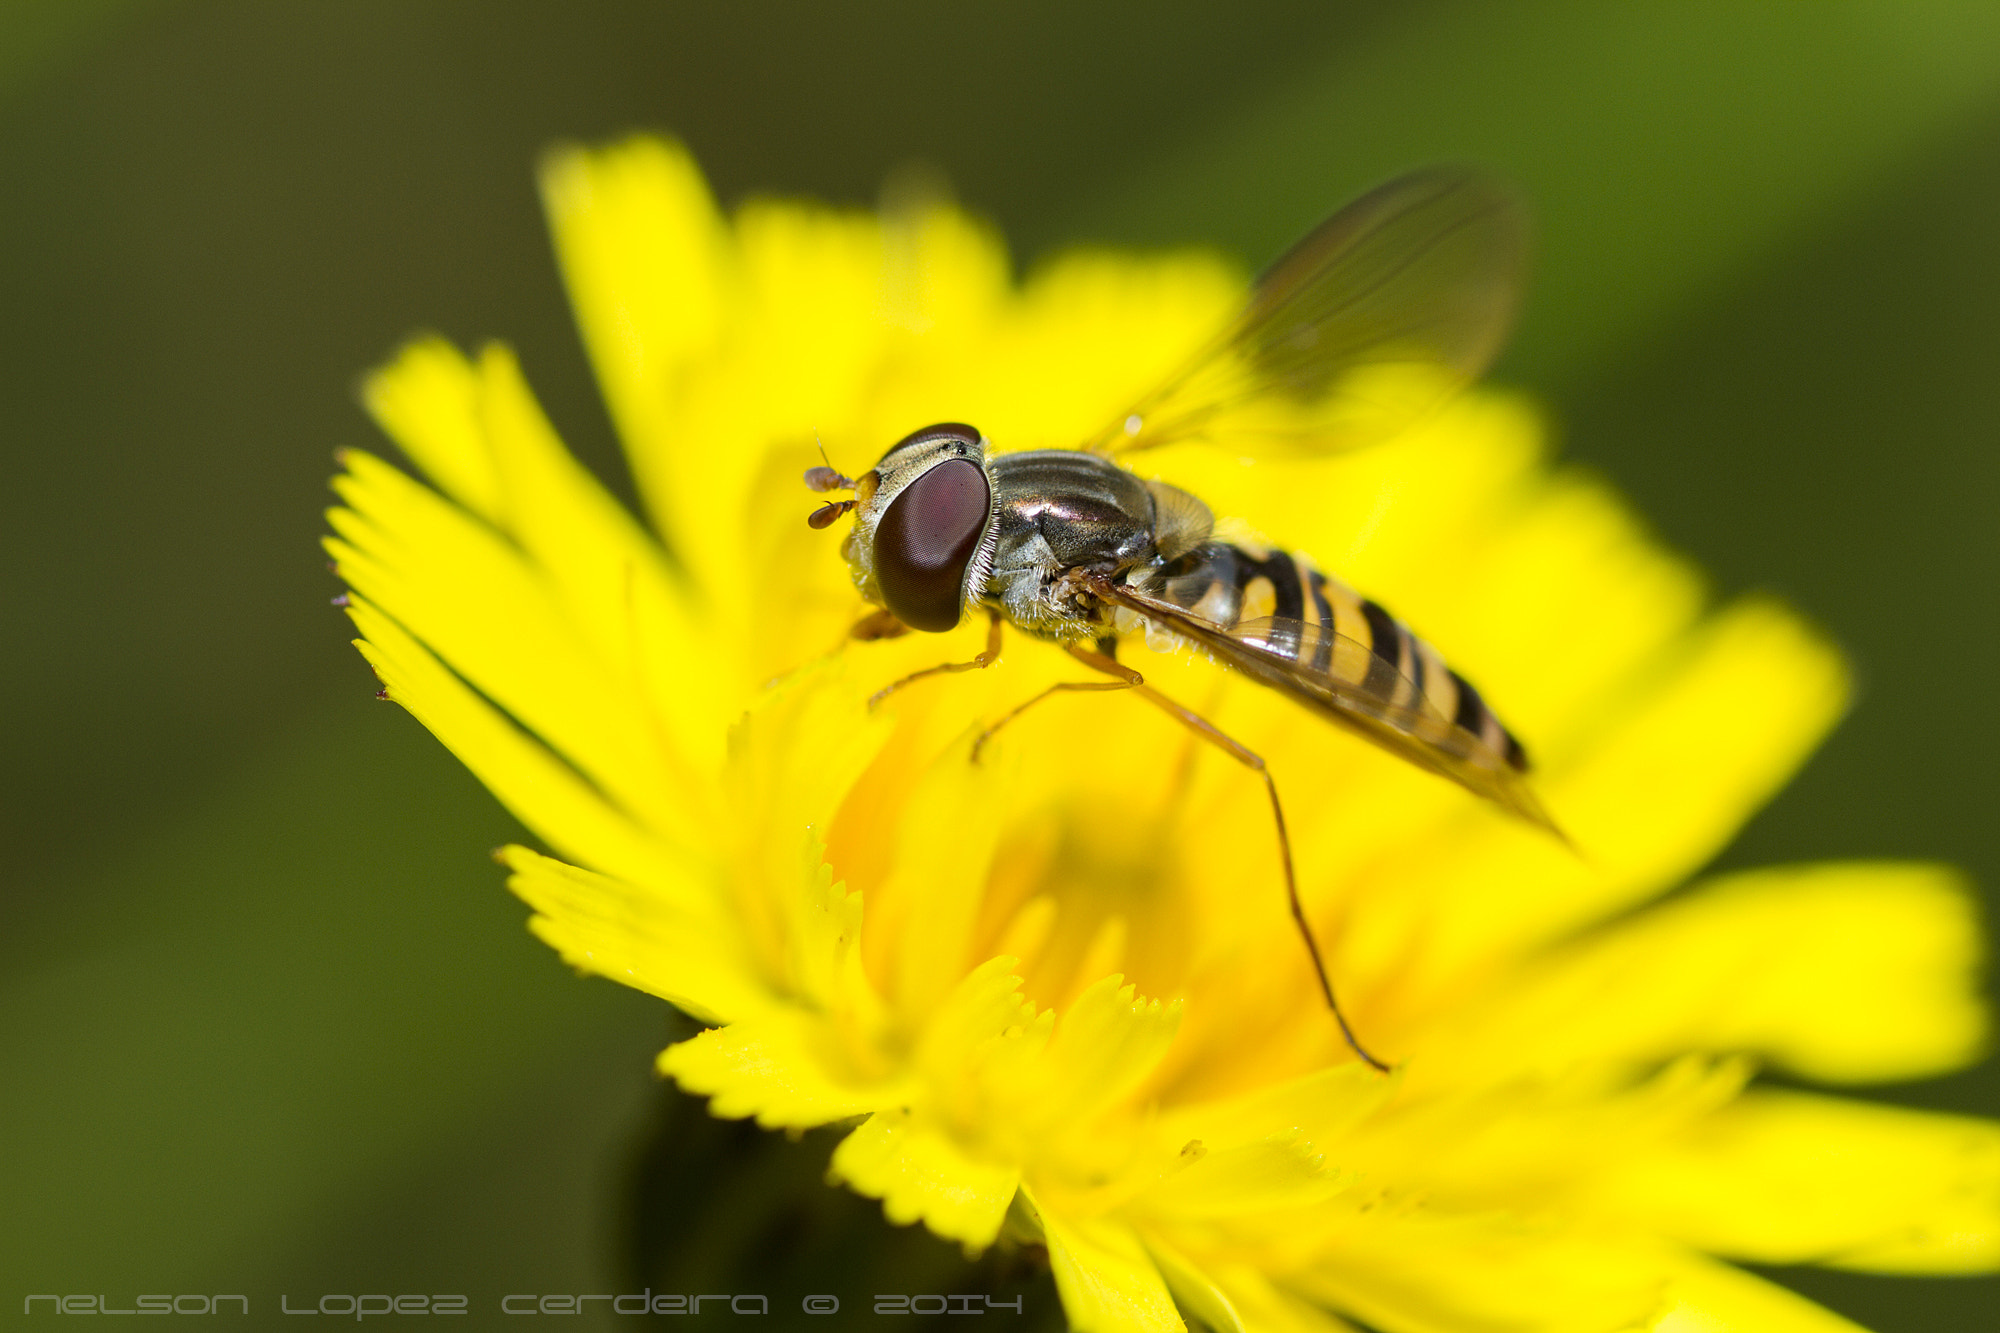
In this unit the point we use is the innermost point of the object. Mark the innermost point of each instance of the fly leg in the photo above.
(1128, 679)
(1253, 761)
(979, 663)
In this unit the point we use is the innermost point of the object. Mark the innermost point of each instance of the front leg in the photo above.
(978, 663)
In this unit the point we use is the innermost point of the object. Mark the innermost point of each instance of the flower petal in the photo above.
(923, 912)
(1523, 1143)
(648, 267)
(1846, 972)
(958, 1034)
(1108, 1283)
(473, 599)
(789, 1068)
(792, 758)
(1690, 754)
(1418, 1272)
(1279, 1172)
(427, 401)
(673, 938)
(1710, 1297)
(1698, 753)
(480, 423)
(1787, 1178)
(1195, 1292)
(1266, 1307)
(1321, 1106)
(1235, 1297)
(537, 787)
(921, 1173)
(1105, 1044)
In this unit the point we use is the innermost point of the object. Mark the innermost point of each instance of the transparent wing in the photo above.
(1353, 688)
(1381, 313)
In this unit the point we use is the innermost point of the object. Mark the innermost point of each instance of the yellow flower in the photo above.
(1057, 992)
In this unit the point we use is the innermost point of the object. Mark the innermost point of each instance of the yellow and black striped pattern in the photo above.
(1318, 639)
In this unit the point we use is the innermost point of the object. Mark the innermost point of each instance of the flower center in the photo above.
(1078, 896)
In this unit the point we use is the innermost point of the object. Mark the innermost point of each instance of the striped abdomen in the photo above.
(1316, 638)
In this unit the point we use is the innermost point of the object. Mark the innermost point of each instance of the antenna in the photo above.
(827, 478)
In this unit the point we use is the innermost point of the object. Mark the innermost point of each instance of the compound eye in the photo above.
(925, 540)
(965, 436)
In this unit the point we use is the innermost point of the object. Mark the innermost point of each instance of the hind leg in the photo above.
(1253, 761)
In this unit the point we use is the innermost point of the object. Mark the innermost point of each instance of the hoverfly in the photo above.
(1421, 275)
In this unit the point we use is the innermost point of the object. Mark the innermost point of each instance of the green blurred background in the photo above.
(268, 1021)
